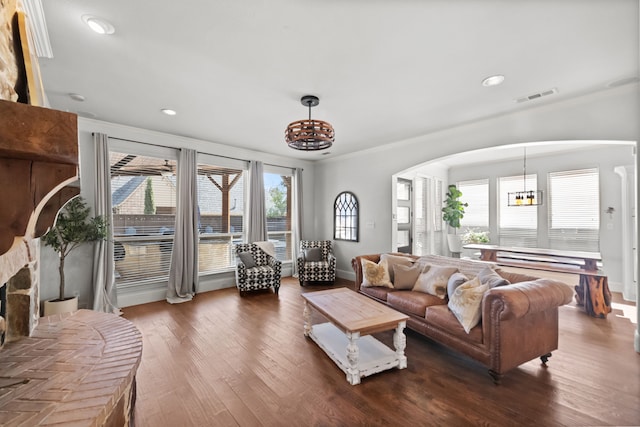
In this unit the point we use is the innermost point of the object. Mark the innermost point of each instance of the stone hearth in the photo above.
(76, 369)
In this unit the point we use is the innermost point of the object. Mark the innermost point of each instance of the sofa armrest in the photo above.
(356, 263)
(519, 299)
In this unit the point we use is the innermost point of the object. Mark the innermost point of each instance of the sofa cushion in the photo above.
(440, 317)
(490, 277)
(405, 276)
(375, 274)
(455, 280)
(393, 260)
(379, 292)
(313, 254)
(415, 303)
(435, 280)
(247, 259)
(466, 302)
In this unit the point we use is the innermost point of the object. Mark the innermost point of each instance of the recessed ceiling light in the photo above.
(493, 80)
(87, 114)
(76, 97)
(98, 25)
(169, 112)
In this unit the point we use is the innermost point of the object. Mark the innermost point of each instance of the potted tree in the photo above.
(72, 228)
(453, 212)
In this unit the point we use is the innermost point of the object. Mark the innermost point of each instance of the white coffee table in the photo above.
(346, 337)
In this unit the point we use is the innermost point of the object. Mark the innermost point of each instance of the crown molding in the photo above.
(35, 13)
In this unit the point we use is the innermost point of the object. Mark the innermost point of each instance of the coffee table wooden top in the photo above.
(352, 312)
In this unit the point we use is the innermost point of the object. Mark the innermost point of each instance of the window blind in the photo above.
(221, 215)
(143, 197)
(574, 210)
(518, 225)
(476, 194)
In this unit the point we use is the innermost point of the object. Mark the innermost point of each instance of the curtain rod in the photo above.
(217, 155)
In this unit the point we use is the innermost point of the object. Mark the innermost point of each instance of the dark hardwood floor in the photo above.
(226, 360)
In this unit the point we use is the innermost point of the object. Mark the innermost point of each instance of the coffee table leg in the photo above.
(306, 315)
(353, 356)
(400, 343)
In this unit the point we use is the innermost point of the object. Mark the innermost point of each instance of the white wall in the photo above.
(79, 263)
(606, 115)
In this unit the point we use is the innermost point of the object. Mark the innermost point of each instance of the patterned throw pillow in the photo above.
(375, 274)
(434, 281)
(466, 303)
(405, 276)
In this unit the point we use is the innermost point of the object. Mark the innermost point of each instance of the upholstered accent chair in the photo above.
(316, 262)
(256, 269)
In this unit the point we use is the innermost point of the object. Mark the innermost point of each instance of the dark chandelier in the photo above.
(309, 135)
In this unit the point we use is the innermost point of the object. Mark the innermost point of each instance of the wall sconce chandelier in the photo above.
(309, 135)
(525, 197)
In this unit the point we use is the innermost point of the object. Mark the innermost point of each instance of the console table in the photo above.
(75, 369)
(593, 289)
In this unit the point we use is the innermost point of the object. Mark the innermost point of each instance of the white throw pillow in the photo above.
(434, 281)
(466, 303)
(375, 274)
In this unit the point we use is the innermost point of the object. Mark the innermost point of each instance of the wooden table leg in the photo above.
(353, 357)
(593, 292)
(400, 343)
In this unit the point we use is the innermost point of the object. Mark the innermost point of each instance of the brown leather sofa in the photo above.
(519, 321)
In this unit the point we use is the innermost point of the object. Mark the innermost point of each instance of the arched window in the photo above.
(345, 217)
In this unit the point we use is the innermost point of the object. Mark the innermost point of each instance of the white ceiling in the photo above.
(383, 70)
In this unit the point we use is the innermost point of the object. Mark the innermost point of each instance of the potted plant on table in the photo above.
(453, 212)
(72, 228)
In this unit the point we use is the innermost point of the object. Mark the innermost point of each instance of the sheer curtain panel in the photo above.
(257, 227)
(104, 289)
(297, 217)
(183, 274)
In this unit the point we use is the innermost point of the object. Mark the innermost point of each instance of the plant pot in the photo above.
(57, 307)
(455, 243)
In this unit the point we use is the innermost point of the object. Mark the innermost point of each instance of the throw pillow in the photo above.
(435, 281)
(392, 260)
(466, 303)
(455, 280)
(488, 276)
(313, 254)
(375, 274)
(247, 259)
(405, 276)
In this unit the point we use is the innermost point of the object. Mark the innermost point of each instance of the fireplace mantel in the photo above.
(38, 157)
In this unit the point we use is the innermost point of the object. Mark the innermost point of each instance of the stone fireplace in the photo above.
(38, 158)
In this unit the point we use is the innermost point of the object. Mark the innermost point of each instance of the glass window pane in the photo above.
(345, 210)
(221, 216)
(143, 198)
(277, 190)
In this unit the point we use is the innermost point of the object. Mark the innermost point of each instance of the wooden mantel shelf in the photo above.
(77, 369)
(38, 157)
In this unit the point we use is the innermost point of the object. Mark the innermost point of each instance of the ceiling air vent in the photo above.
(536, 95)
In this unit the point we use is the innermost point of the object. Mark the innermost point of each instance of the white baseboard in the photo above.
(346, 274)
(158, 291)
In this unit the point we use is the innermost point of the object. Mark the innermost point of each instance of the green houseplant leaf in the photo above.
(72, 228)
(453, 211)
